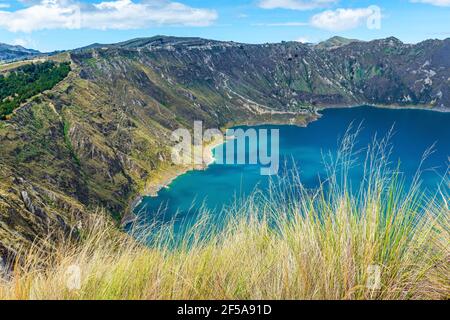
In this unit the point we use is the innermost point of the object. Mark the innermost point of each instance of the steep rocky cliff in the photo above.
(102, 135)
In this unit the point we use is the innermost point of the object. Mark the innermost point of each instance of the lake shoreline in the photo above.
(208, 159)
(384, 106)
(168, 175)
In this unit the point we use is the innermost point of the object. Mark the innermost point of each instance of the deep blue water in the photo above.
(220, 185)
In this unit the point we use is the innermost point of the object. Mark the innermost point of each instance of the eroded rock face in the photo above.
(99, 136)
(29, 212)
(283, 76)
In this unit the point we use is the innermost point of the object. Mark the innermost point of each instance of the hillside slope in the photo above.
(102, 135)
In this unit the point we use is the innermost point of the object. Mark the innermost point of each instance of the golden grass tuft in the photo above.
(288, 243)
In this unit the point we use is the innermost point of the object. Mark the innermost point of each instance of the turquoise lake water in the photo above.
(220, 184)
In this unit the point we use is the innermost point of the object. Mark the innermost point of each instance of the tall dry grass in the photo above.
(285, 243)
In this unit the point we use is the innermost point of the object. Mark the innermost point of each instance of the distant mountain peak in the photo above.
(392, 41)
(14, 52)
(159, 41)
(165, 41)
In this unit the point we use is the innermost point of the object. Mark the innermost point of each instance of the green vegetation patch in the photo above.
(28, 81)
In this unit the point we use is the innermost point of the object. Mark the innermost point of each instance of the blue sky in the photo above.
(49, 25)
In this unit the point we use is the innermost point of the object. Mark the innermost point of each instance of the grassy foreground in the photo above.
(381, 242)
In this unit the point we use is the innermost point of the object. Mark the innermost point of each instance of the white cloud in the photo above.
(4, 5)
(114, 14)
(20, 42)
(295, 4)
(25, 42)
(345, 19)
(302, 40)
(439, 3)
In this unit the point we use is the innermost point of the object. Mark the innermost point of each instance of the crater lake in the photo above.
(305, 150)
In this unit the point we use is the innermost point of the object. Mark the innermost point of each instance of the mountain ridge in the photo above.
(175, 39)
(15, 52)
